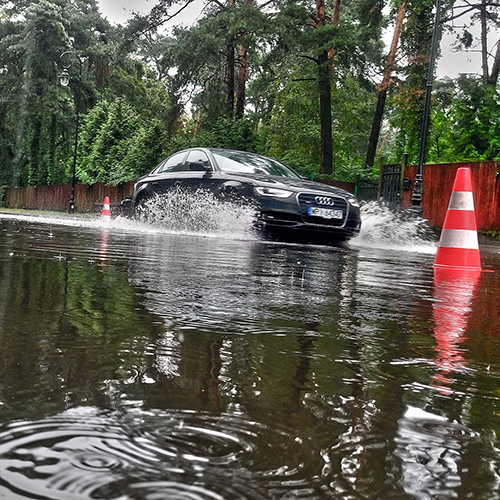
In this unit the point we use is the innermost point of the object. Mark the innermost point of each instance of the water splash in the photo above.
(182, 211)
(396, 230)
(198, 212)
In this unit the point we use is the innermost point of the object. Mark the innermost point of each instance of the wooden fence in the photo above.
(437, 186)
(87, 198)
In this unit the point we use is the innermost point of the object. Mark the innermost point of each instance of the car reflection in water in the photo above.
(287, 206)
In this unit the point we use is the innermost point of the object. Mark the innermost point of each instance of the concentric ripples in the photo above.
(84, 453)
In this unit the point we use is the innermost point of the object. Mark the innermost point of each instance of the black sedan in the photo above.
(287, 206)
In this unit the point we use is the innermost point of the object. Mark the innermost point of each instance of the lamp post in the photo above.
(416, 198)
(64, 79)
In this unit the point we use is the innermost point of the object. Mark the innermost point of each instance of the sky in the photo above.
(453, 63)
(119, 11)
(449, 64)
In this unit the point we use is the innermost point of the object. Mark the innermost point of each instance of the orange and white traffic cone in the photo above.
(458, 245)
(106, 211)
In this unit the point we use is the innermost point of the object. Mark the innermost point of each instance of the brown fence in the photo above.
(87, 198)
(437, 186)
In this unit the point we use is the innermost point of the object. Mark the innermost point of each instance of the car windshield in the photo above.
(237, 161)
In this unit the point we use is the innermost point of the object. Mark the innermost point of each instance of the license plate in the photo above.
(325, 213)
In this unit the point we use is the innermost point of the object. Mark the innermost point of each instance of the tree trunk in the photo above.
(242, 74)
(484, 41)
(34, 152)
(230, 78)
(230, 60)
(197, 123)
(495, 69)
(325, 97)
(242, 80)
(382, 95)
(325, 113)
(51, 168)
(335, 22)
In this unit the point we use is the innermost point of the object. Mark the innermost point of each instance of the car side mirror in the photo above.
(198, 166)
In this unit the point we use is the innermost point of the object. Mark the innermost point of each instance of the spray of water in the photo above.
(383, 227)
(198, 212)
(201, 213)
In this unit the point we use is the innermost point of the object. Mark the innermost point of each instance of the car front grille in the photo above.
(326, 202)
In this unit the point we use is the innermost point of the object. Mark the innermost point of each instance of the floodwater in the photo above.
(140, 362)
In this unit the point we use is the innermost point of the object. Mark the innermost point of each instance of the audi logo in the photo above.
(324, 200)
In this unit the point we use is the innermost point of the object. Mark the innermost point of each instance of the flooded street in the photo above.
(142, 363)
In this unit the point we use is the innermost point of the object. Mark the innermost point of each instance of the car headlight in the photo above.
(275, 192)
(353, 202)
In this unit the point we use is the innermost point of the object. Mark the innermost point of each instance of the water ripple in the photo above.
(84, 453)
(430, 448)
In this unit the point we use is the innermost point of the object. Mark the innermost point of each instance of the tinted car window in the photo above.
(196, 161)
(172, 164)
(237, 161)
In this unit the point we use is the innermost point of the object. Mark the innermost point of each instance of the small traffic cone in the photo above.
(458, 245)
(106, 212)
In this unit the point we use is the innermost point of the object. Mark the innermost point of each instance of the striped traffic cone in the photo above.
(458, 245)
(106, 212)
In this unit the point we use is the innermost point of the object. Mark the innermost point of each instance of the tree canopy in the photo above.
(308, 81)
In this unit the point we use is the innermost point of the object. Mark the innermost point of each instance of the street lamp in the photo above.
(64, 79)
(416, 198)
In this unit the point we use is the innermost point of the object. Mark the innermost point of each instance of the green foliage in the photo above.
(416, 39)
(353, 106)
(39, 42)
(117, 145)
(465, 122)
(476, 120)
(37, 115)
(145, 95)
(233, 134)
(293, 133)
(226, 133)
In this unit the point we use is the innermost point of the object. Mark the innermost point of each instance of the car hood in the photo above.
(292, 184)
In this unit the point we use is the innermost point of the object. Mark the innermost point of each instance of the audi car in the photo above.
(287, 206)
